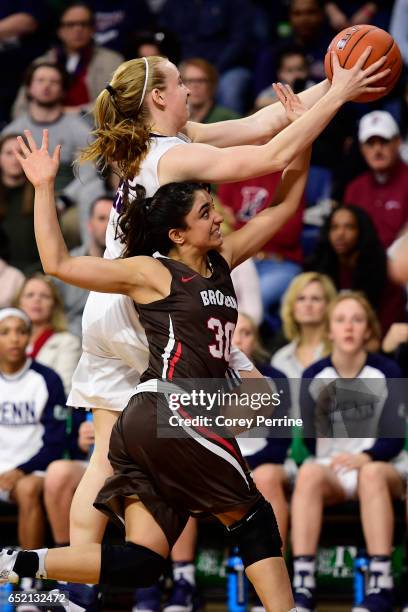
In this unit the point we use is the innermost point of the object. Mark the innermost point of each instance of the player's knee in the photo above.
(257, 534)
(130, 565)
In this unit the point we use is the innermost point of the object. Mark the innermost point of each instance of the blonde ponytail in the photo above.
(122, 119)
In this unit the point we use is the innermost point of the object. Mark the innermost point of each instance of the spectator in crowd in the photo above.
(292, 69)
(45, 83)
(281, 259)
(16, 210)
(74, 298)
(350, 253)
(220, 32)
(332, 476)
(32, 426)
(266, 457)
(309, 32)
(50, 344)
(88, 65)
(303, 314)
(382, 191)
(20, 42)
(398, 27)
(116, 20)
(83, 195)
(381, 482)
(202, 79)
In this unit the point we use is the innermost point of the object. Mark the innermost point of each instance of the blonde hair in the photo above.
(259, 354)
(291, 328)
(58, 318)
(373, 343)
(122, 118)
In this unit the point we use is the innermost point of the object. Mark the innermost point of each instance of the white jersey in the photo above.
(115, 350)
(32, 418)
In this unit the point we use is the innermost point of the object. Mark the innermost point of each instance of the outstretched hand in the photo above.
(38, 165)
(355, 81)
(291, 102)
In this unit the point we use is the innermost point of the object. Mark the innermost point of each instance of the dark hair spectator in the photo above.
(44, 93)
(16, 210)
(350, 253)
(88, 65)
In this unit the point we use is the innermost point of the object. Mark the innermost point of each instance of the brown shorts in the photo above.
(173, 477)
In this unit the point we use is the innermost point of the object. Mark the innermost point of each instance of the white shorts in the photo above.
(349, 478)
(115, 354)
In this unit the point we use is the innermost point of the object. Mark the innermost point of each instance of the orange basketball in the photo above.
(350, 43)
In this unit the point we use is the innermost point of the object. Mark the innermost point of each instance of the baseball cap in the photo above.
(377, 123)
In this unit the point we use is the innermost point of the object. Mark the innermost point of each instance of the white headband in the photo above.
(145, 82)
(14, 312)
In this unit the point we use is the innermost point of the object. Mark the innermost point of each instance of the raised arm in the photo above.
(94, 273)
(214, 165)
(249, 240)
(257, 127)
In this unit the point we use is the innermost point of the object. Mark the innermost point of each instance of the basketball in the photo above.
(351, 42)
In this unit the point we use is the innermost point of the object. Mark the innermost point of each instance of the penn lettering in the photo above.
(19, 413)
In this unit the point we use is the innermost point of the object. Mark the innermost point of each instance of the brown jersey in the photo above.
(196, 470)
(190, 331)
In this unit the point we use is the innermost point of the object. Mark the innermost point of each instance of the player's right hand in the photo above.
(353, 82)
(38, 165)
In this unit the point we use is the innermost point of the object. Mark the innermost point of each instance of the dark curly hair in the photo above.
(370, 271)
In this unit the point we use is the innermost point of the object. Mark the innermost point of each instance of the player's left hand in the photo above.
(291, 102)
(349, 461)
(38, 165)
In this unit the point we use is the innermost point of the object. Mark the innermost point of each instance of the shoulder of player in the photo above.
(143, 264)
